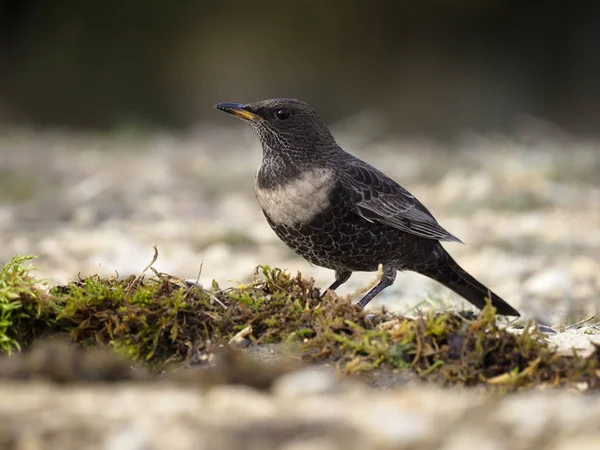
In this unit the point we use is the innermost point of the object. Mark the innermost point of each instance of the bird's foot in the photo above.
(387, 279)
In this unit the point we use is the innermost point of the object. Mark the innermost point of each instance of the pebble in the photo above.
(552, 282)
(308, 381)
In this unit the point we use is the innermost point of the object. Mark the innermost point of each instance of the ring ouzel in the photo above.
(341, 213)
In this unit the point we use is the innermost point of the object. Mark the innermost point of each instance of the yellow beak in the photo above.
(238, 110)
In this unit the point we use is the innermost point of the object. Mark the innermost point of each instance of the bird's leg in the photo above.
(341, 276)
(387, 279)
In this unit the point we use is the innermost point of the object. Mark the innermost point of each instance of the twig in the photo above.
(370, 285)
(214, 297)
(137, 279)
(241, 335)
(199, 272)
(578, 324)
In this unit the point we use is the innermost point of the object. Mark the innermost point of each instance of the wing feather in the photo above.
(379, 198)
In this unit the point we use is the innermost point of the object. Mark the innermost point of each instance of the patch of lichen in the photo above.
(160, 321)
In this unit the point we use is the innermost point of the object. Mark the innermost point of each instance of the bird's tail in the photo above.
(454, 277)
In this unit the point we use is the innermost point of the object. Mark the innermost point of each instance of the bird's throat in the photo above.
(294, 199)
(277, 169)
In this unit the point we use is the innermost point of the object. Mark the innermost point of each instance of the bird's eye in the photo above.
(282, 114)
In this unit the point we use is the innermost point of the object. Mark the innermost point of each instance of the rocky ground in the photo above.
(525, 204)
(136, 417)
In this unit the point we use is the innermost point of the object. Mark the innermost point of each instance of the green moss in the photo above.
(23, 305)
(161, 322)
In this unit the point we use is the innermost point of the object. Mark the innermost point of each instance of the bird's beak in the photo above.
(238, 110)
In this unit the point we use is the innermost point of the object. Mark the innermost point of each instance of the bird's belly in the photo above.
(345, 241)
(316, 219)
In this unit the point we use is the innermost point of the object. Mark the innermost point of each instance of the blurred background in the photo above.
(488, 111)
(428, 67)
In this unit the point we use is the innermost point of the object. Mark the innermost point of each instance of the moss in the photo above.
(160, 322)
(24, 307)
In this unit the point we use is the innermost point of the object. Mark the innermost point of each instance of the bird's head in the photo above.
(284, 124)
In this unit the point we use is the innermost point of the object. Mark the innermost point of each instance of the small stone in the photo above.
(553, 282)
(397, 426)
(309, 381)
(578, 340)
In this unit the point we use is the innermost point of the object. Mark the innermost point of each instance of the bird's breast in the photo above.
(297, 200)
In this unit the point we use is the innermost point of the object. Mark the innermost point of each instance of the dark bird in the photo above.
(341, 213)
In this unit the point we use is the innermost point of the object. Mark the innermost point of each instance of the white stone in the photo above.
(554, 281)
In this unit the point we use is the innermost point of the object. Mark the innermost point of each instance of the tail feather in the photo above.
(456, 278)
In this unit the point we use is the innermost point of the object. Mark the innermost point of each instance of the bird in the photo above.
(339, 212)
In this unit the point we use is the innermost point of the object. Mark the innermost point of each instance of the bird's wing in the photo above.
(377, 197)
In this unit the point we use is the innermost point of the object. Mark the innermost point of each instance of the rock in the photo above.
(153, 417)
(582, 340)
(553, 282)
(308, 381)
